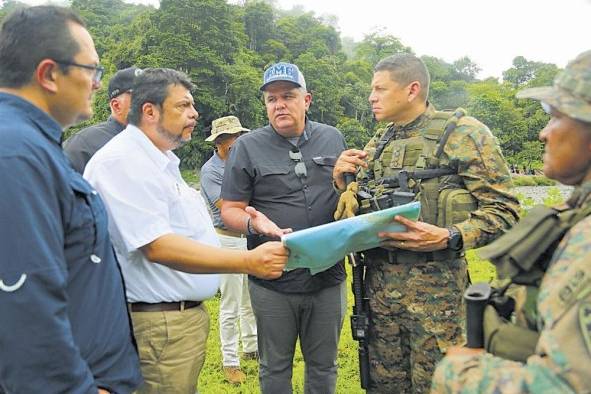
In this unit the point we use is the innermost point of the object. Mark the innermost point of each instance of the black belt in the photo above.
(402, 256)
(163, 306)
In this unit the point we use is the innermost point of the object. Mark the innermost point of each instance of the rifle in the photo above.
(477, 297)
(388, 192)
(360, 316)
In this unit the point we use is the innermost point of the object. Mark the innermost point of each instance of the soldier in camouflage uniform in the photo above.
(415, 283)
(562, 355)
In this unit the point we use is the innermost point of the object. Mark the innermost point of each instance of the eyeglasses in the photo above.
(300, 167)
(98, 69)
(546, 107)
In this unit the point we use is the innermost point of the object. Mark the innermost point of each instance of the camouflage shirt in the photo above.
(563, 353)
(474, 152)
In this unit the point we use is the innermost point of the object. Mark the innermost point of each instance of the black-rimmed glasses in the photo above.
(300, 167)
(98, 69)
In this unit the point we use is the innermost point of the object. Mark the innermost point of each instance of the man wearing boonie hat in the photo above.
(279, 178)
(83, 145)
(235, 301)
(560, 352)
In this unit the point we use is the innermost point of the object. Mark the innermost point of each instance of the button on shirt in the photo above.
(260, 170)
(64, 325)
(147, 198)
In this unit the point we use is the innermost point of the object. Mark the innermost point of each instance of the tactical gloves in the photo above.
(507, 340)
(348, 205)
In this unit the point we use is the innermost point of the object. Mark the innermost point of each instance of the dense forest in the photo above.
(225, 47)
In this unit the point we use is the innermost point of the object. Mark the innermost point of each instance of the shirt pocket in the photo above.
(322, 168)
(87, 228)
(195, 216)
(328, 161)
(275, 180)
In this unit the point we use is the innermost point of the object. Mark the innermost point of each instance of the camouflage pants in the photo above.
(416, 313)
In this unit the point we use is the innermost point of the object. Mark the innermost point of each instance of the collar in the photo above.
(217, 159)
(161, 159)
(419, 122)
(115, 124)
(580, 195)
(305, 135)
(44, 122)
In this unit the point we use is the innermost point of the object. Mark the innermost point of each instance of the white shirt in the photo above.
(147, 198)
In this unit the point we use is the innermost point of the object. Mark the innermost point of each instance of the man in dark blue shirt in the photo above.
(65, 327)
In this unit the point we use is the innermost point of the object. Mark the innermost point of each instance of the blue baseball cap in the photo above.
(283, 72)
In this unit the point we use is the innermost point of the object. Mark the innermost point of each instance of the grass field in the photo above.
(212, 381)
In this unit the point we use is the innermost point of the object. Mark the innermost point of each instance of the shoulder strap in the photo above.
(384, 141)
(450, 126)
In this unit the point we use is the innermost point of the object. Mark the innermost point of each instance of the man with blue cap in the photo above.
(278, 179)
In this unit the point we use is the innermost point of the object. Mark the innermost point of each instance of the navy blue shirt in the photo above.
(64, 325)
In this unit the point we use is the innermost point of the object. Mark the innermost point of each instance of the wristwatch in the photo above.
(455, 241)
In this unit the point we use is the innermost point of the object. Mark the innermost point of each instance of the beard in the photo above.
(175, 140)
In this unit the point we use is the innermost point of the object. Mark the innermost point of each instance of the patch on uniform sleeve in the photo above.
(585, 322)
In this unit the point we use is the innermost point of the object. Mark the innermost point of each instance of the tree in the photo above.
(493, 104)
(259, 24)
(377, 45)
(529, 73)
(465, 69)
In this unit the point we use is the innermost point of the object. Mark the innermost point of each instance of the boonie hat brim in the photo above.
(233, 130)
(568, 104)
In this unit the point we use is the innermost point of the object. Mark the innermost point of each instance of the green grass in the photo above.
(532, 180)
(480, 270)
(211, 380)
(191, 177)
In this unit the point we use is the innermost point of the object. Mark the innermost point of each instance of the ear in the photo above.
(414, 89)
(308, 100)
(115, 105)
(47, 75)
(150, 112)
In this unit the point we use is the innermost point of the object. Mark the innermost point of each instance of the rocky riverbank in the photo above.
(538, 193)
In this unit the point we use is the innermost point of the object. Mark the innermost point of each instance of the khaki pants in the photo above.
(171, 346)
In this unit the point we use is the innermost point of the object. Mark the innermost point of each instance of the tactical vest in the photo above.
(444, 198)
(523, 255)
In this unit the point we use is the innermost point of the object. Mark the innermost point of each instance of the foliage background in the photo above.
(225, 48)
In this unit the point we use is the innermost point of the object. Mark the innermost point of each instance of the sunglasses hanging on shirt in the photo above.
(300, 167)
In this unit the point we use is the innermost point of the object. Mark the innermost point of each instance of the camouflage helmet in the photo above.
(571, 92)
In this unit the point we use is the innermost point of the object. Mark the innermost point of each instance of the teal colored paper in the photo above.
(319, 248)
